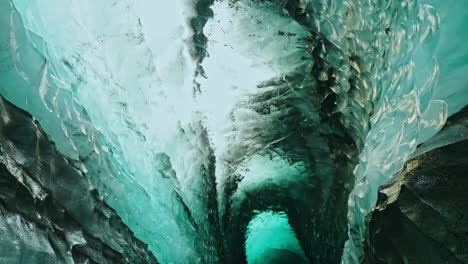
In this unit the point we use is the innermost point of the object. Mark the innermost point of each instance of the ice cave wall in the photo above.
(49, 212)
(161, 122)
(52, 81)
(422, 216)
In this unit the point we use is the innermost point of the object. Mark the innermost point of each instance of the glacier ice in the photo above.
(421, 217)
(126, 157)
(49, 212)
(269, 238)
(189, 117)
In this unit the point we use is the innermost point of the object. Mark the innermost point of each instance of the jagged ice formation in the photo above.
(207, 124)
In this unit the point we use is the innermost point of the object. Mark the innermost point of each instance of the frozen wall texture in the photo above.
(232, 131)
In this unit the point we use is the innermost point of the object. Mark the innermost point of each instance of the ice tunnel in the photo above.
(233, 131)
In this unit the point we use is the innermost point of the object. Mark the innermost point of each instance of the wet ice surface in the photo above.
(49, 212)
(287, 101)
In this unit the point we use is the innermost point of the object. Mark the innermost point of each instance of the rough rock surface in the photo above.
(423, 216)
(49, 213)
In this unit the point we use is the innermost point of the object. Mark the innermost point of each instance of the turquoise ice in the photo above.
(160, 129)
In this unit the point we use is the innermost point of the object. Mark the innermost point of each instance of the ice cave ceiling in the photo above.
(233, 131)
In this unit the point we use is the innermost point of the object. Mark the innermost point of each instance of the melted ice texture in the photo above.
(112, 83)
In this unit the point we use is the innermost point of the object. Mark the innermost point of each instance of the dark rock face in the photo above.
(455, 130)
(49, 212)
(423, 217)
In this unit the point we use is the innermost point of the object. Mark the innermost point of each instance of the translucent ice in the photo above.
(190, 117)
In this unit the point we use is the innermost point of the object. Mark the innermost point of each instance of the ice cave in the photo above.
(233, 131)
